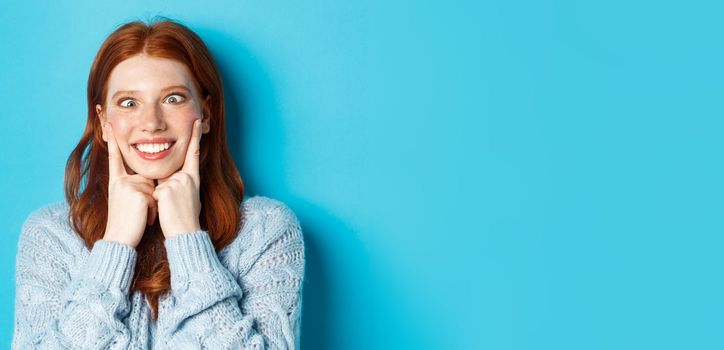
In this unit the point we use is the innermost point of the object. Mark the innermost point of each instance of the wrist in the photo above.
(112, 238)
(180, 231)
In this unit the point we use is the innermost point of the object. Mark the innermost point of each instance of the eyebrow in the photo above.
(131, 92)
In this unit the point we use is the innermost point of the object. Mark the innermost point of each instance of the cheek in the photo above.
(188, 115)
(184, 121)
(121, 128)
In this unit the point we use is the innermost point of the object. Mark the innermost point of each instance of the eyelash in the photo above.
(124, 98)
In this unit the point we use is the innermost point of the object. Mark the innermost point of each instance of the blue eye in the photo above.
(176, 98)
(122, 101)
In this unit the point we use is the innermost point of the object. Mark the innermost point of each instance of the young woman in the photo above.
(155, 245)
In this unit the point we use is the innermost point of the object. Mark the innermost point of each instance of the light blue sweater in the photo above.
(248, 296)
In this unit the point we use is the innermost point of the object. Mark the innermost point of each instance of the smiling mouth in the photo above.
(153, 148)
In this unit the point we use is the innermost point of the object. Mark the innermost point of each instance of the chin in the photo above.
(154, 174)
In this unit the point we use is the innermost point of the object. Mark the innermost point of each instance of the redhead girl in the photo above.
(155, 245)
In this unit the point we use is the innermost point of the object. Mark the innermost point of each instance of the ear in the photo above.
(206, 115)
(102, 119)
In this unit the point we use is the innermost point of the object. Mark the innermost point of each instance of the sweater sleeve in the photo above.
(213, 309)
(54, 310)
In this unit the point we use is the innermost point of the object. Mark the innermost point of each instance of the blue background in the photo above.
(469, 175)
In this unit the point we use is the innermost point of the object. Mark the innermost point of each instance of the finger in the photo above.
(144, 188)
(150, 199)
(141, 187)
(147, 184)
(156, 193)
(177, 176)
(193, 152)
(165, 179)
(115, 159)
(152, 209)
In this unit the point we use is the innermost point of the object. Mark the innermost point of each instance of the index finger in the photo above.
(115, 159)
(193, 152)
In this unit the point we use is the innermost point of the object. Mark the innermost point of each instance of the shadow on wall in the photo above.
(249, 91)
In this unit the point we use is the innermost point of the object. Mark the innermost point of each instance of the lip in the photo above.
(154, 156)
(153, 140)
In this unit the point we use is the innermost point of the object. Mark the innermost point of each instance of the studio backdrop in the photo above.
(468, 174)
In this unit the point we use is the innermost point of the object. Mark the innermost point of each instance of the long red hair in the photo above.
(86, 172)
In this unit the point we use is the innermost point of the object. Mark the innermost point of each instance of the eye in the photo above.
(176, 98)
(122, 102)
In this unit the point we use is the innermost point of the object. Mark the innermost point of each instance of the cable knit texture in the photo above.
(248, 296)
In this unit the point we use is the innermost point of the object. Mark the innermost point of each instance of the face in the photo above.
(151, 105)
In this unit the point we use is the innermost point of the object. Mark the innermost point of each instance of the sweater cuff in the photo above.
(112, 264)
(190, 253)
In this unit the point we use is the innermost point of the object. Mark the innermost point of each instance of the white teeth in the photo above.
(153, 147)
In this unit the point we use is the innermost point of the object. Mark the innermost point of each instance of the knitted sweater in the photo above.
(246, 296)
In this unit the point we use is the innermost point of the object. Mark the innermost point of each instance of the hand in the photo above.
(130, 199)
(177, 196)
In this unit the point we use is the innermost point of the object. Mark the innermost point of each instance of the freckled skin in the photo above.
(152, 111)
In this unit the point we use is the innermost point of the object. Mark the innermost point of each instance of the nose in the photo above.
(152, 119)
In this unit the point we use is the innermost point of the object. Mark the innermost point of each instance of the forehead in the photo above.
(144, 73)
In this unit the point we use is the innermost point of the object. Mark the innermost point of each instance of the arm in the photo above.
(54, 310)
(206, 310)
